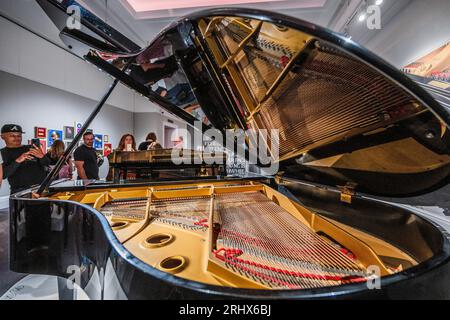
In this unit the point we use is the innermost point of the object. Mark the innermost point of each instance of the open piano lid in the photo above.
(345, 117)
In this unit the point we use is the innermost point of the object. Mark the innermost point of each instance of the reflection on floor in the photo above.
(17, 286)
(7, 277)
(40, 287)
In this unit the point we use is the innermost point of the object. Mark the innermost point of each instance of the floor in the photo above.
(21, 286)
(18, 286)
(439, 198)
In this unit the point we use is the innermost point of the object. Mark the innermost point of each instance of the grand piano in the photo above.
(351, 128)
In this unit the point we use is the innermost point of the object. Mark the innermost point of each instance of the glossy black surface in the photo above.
(95, 30)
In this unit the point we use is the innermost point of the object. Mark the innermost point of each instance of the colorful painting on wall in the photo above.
(69, 133)
(53, 135)
(98, 141)
(432, 69)
(40, 133)
(78, 126)
(107, 150)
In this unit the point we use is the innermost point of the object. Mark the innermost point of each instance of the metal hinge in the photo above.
(347, 192)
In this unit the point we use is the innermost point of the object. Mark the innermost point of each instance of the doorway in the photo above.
(169, 133)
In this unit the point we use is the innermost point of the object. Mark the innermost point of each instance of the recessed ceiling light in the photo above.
(378, 2)
(362, 17)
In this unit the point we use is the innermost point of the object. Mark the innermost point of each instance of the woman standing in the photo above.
(127, 143)
(55, 153)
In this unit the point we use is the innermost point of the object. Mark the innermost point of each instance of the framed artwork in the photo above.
(106, 138)
(40, 133)
(52, 136)
(107, 150)
(78, 126)
(98, 141)
(69, 133)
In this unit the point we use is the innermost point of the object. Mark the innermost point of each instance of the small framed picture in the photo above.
(69, 133)
(53, 135)
(40, 133)
(78, 126)
(107, 149)
(106, 138)
(98, 141)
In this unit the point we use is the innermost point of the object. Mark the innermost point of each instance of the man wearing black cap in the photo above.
(23, 166)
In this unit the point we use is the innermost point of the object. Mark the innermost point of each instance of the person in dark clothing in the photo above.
(150, 143)
(86, 159)
(23, 166)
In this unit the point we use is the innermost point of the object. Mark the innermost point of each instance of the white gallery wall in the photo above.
(44, 85)
(27, 55)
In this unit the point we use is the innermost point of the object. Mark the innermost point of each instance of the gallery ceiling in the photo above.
(143, 9)
(141, 20)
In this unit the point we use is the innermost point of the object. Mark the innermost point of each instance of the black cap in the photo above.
(12, 128)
